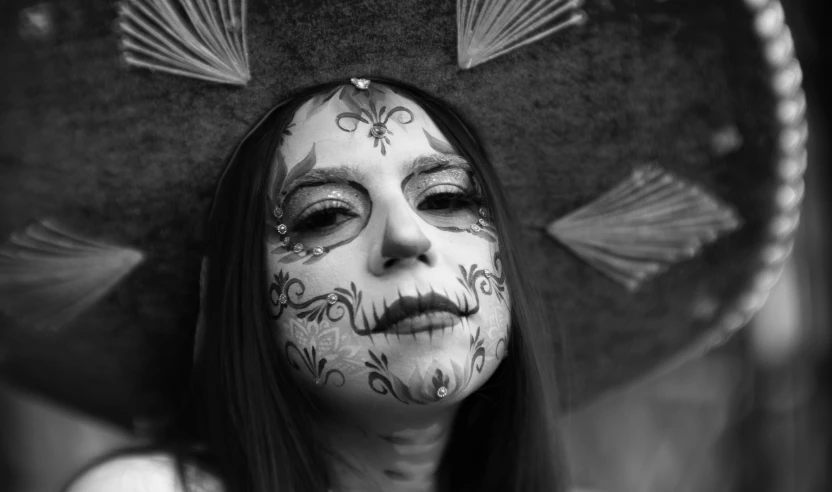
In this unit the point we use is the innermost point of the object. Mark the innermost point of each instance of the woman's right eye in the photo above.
(323, 216)
(322, 219)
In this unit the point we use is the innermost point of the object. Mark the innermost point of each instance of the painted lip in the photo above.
(425, 312)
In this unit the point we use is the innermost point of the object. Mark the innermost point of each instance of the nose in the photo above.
(403, 243)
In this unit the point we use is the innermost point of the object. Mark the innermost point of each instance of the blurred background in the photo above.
(752, 415)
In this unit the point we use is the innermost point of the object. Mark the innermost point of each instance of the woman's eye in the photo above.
(447, 201)
(323, 217)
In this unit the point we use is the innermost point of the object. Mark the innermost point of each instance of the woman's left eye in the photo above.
(447, 199)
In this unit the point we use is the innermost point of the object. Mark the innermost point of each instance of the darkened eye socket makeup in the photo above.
(445, 197)
(326, 215)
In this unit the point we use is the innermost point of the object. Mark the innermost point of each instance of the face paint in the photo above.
(384, 301)
(377, 119)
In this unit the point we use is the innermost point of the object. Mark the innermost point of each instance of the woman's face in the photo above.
(383, 267)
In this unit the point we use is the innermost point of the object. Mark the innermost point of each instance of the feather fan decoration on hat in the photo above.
(48, 276)
(487, 29)
(202, 39)
(642, 226)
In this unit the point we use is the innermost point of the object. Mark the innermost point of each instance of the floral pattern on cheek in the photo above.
(323, 351)
(377, 121)
(497, 334)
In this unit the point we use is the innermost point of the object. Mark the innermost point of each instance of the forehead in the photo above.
(359, 128)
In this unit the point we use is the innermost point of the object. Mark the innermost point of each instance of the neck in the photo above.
(396, 451)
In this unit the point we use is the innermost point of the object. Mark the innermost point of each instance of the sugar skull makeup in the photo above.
(383, 268)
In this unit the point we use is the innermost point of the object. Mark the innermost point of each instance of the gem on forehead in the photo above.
(297, 248)
(332, 298)
(378, 130)
(362, 84)
(281, 229)
(317, 251)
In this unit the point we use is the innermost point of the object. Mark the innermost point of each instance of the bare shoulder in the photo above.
(143, 473)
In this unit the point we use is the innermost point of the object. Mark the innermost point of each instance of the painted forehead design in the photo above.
(376, 115)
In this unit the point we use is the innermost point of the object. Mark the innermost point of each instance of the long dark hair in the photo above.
(257, 428)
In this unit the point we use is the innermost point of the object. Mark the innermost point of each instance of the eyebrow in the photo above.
(423, 164)
(318, 177)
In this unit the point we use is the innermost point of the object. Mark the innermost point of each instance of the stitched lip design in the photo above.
(413, 314)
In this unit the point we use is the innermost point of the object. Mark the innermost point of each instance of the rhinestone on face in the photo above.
(332, 298)
(286, 241)
(298, 248)
(476, 228)
(362, 84)
(378, 130)
(281, 229)
(283, 299)
(487, 273)
(482, 212)
(319, 383)
(317, 251)
(277, 212)
(482, 222)
(442, 392)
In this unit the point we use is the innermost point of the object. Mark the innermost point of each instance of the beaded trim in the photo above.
(786, 78)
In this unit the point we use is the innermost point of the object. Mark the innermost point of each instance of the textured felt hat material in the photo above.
(707, 92)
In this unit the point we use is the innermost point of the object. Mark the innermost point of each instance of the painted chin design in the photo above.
(410, 315)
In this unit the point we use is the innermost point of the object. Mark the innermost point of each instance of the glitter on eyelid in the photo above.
(450, 176)
(302, 198)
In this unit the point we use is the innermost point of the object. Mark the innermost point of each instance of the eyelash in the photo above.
(469, 196)
(318, 210)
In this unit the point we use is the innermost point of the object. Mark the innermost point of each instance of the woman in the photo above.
(366, 319)
(376, 361)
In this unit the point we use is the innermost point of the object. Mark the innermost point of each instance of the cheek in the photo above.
(496, 325)
(319, 341)
(307, 299)
(293, 285)
(314, 320)
(477, 259)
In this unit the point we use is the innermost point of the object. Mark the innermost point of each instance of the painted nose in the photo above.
(403, 243)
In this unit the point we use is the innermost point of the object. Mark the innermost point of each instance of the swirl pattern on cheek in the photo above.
(488, 282)
(287, 292)
(341, 303)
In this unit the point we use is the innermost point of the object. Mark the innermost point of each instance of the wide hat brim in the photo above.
(699, 90)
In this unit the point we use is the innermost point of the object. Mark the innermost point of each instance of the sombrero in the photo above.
(653, 151)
